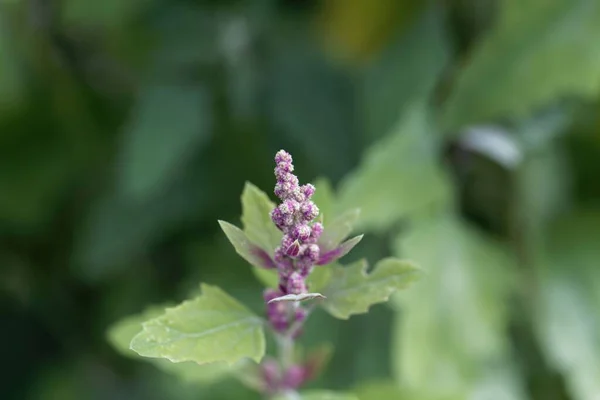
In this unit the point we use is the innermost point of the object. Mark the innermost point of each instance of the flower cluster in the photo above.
(298, 252)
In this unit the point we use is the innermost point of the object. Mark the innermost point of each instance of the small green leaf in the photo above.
(339, 252)
(120, 334)
(210, 328)
(245, 248)
(256, 218)
(338, 229)
(320, 395)
(352, 291)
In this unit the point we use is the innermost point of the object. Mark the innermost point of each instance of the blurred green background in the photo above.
(466, 130)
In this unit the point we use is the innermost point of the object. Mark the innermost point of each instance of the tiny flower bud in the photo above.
(304, 266)
(293, 249)
(308, 190)
(298, 195)
(301, 232)
(278, 218)
(311, 253)
(283, 156)
(309, 210)
(317, 230)
(296, 284)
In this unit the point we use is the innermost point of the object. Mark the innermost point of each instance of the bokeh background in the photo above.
(466, 130)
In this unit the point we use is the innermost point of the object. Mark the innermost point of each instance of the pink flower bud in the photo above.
(293, 249)
(296, 284)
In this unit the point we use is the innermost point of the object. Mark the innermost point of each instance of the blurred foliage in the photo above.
(466, 130)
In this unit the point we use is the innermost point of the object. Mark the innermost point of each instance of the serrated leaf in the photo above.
(338, 229)
(320, 395)
(256, 218)
(455, 320)
(352, 291)
(399, 175)
(167, 125)
(211, 328)
(120, 334)
(540, 53)
(339, 252)
(245, 248)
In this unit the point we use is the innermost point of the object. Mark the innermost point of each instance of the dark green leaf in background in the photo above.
(452, 324)
(568, 323)
(398, 175)
(408, 69)
(168, 125)
(537, 52)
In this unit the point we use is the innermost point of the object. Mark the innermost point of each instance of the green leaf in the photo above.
(540, 51)
(454, 322)
(121, 333)
(399, 175)
(319, 278)
(168, 125)
(321, 395)
(568, 323)
(352, 291)
(338, 229)
(246, 248)
(340, 251)
(256, 218)
(210, 328)
(324, 198)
